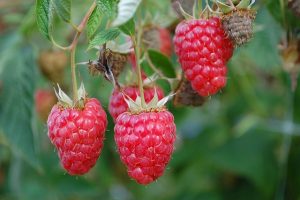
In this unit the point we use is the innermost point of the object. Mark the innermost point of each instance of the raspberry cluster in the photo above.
(117, 104)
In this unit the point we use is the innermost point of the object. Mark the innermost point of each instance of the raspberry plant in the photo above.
(123, 52)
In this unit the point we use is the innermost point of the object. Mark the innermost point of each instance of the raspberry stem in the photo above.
(137, 44)
(72, 48)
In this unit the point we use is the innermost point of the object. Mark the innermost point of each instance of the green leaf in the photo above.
(103, 37)
(128, 28)
(93, 22)
(16, 101)
(108, 7)
(251, 156)
(126, 10)
(264, 41)
(44, 17)
(63, 9)
(162, 63)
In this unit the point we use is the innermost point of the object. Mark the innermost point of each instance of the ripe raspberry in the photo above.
(203, 50)
(145, 143)
(238, 25)
(78, 135)
(117, 104)
(44, 101)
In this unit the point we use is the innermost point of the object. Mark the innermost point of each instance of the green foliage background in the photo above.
(233, 147)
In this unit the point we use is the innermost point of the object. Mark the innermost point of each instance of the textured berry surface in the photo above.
(238, 26)
(145, 143)
(203, 50)
(117, 104)
(78, 135)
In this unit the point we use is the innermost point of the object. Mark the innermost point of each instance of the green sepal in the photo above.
(224, 7)
(243, 4)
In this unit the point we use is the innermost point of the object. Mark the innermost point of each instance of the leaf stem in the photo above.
(286, 147)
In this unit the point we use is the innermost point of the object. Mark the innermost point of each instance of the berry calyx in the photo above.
(77, 132)
(203, 50)
(117, 103)
(237, 20)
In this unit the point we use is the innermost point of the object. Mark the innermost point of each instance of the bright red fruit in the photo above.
(145, 143)
(117, 104)
(203, 50)
(78, 135)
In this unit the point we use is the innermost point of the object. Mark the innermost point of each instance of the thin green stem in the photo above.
(72, 49)
(286, 147)
(282, 8)
(137, 48)
(58, 46)
(73, 74)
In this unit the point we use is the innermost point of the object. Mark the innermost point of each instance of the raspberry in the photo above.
(203, 50)
(117, 104)
(238, 25)
(145, 142)
(78, 135)
(44, 100)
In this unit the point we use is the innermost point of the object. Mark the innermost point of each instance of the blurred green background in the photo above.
(243, 143)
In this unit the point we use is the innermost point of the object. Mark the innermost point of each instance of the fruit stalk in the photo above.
(137, 44)
(72, 49)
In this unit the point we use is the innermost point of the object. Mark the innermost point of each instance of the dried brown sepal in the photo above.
(116, 60)
(108, 61)
(186, 96)
(294, 5)
(238, 25)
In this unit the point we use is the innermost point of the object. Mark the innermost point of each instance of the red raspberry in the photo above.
(203, 50)
(145, 143)
(78, 135)
(117, 104)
